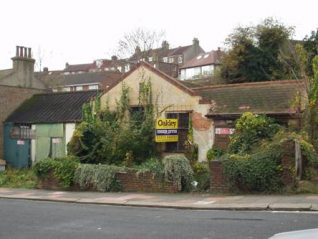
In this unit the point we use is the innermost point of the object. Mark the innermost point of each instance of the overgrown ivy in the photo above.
(121, 136)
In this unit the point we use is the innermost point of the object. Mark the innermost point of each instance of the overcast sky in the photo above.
(79, 31)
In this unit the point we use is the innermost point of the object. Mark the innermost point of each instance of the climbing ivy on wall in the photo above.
(121, 136)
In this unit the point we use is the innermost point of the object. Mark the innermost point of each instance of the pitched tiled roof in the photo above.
(80, 67)
(52, 108)
(209, 58)
(166, 77)
(271, 97)
(55, 79)
(178, 50)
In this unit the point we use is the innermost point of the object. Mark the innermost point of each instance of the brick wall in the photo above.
(218, 181)
(10, 98)
(145, 182)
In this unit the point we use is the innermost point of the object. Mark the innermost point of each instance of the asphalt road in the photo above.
(38, 219)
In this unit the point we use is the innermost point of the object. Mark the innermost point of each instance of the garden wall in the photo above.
(219, 183)
(145, 182)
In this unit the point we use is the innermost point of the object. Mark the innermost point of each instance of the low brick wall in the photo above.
(219, 183)
(144, 182)
(129, 182)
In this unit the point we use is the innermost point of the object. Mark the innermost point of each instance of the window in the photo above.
(180, 59)
(137, 113)
(22, 131)
(127, 68)
(79, 88)
(171, 60)
(150, 59)
(165, 59)
(93, 87)
(183, 128)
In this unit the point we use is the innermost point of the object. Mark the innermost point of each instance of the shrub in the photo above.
(201, 174)
(260, 172)
(214, 153)
(250, 129)
(177, 169)
(99, 177)
(61, 168)
(152, 165)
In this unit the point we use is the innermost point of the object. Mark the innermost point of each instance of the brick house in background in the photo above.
(59, 81)
(17, 85)
(201, 66)
(166, 59)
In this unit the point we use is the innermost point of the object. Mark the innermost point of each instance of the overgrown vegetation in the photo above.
(61, 168)
(18, 178)
(201, 175)
(124, 136)
(253, 162)
(97, 177)
(177, 168)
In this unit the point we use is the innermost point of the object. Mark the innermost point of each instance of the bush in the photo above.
(152, 165)
(61, 168)
(99, 177)
(201, 172)
(214, 153)
(250, 129)
(177, 169)
(259, 172)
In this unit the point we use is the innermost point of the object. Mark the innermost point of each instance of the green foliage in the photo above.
(61, 168)
(178, 169)
(122, 135)
(214, 153)
(259, 172)
(152, 165)
(99, 177)
(256, 53)
(201, 174)
(18, 178)
(310, 45)
(250, 129)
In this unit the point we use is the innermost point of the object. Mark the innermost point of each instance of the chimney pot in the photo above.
(21, 51)
(25, 52)
(195, 41)
(29, 53)
(17, 51)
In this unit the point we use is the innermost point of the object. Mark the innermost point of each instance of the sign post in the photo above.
(166, 130)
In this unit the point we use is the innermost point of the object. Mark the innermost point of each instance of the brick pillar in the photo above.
(218, 181)
(288, 164)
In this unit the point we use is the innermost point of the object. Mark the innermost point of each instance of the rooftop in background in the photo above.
(59, 78)
(52, 108)
(268, 97)
(209, 58)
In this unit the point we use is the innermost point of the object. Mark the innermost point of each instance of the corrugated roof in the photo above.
(271, 97)
(52, 108)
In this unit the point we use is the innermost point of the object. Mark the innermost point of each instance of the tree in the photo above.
(255, 53)
(139, 40)
(311, 46)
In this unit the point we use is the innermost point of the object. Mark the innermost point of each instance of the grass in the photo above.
(18, 178)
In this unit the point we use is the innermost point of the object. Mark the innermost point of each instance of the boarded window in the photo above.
(183, 129)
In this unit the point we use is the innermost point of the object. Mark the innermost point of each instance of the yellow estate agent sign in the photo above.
(166, 130)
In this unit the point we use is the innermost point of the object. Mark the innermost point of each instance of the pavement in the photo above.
(204, 201)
